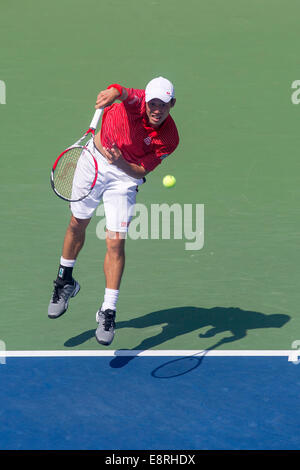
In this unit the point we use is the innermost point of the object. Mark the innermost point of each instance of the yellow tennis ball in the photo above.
(169, 181)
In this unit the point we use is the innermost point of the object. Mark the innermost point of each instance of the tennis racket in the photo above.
(66, 164)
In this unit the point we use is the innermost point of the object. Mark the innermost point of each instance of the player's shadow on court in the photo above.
(179, 321)
(171, 323)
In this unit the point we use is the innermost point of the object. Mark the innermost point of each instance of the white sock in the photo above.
(110, 299)
(68, 263)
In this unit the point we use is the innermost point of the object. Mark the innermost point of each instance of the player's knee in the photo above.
(115, 243)
(78, 225)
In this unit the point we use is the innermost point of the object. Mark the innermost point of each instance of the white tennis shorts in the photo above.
(115, 188)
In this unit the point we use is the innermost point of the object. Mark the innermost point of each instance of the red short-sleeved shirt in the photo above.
(126, 125)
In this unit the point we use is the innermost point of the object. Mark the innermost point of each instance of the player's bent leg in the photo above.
(65, 287)
(113, 269)
(74, 237)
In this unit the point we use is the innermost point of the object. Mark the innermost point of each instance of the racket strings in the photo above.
(65, 170)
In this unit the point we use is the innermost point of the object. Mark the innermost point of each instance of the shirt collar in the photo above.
(151, 131)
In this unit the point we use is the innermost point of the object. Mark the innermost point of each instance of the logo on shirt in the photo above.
(147, 140)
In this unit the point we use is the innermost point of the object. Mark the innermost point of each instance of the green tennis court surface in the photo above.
(232, 64)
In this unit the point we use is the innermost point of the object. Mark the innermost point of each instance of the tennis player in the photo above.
(136, 135)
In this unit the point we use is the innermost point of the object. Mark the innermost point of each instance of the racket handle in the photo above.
(96, 118)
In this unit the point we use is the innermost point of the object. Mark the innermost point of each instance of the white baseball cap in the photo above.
(160, 88)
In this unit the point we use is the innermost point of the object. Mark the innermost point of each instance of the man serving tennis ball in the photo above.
(135, 136)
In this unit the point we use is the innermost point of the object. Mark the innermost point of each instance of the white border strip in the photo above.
(291, 354)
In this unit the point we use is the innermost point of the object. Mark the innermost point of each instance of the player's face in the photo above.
(157, 111)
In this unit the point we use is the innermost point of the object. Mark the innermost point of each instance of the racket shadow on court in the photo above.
(179, 321)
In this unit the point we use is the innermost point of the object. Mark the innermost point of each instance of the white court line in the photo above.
(292, 355)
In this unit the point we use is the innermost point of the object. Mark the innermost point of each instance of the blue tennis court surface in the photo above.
(149, 403)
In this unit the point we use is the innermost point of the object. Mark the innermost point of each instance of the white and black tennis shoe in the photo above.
(60, 298)
(106, 326)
